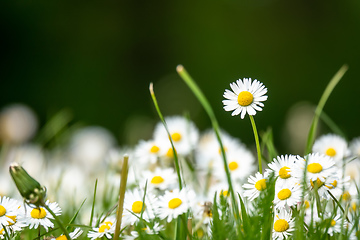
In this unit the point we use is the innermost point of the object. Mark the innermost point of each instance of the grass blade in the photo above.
(329, 88)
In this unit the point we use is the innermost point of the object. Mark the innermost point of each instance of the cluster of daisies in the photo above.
(15, 216)
(157, 195)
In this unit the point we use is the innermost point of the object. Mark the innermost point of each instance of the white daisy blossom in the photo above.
(282, 167)
(257, 184)
(160, 178)
(333, 146)
(287, 195)
(175, 203)
(8, 207)
(183, 132)
(39, 216)
(106, 228)
(355, 147)
(246, 97)
(134, 206)
(335, 224)
(283, 225)
(147, 152)
(73, 235)
(319, 166)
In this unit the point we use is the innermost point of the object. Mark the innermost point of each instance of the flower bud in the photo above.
(29, 188)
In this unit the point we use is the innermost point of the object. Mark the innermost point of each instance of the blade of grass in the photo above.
(332, 125)
(204, 102)
(177, 166)
(76, 214)
(93, 204)
(329, 88)
(124, 175)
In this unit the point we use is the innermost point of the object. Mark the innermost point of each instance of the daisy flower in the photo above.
(335, 224)
(147, 152)
(240, 163)
(161, 178)
(282, 167)
(257, 184)
(355, 147)
(246, 97)
(134, 206)
(283, 225)
(74, 235)
(287, 195)
(337, 184)
(209, 152)
(333, 146)
(106, 228)
(39, 216)
(319, 166)
(183, 132)
(174, 203)
(8, 208)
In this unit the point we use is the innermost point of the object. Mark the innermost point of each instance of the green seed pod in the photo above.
(29, 188)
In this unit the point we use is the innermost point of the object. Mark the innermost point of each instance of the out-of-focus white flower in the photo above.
(8, 207)
(175, 203)
(90, 145)
(18, 124)
(257, 184)
(183, 132)
(134, 207)
(160, 178)
(333, 146)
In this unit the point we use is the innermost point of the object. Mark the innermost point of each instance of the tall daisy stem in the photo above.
(256, 141)
(124, 175)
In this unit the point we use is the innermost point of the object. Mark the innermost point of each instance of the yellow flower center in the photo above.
(61, 237)
(346, 196)
(38, 213)
(353, 206)
(12, 218)
(332, 185)
(330, 152)
(225, 193)
(332, 223)
(176, 136)
(314, 168)
(284, 194)
(154, 149)
(260, 185)
(225, 149)
(174, 203)
(245, 98)
(318, 182)
(104, 227)
(307, 204)
(170, 153)
(1, 231)
(137, 207)
(284, 172)
(281, 225)
(233, 166)
(2, 211)
(157, 180)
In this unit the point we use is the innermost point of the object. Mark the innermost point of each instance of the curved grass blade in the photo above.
(329, 88)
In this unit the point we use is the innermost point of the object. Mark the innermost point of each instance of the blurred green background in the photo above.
(97, 58)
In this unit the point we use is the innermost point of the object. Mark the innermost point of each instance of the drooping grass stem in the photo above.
(124, 175)
(177, 166)
(256, 141)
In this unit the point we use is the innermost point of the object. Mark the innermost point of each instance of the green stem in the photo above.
(124, 175)
(256, 141)
(66, 233)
